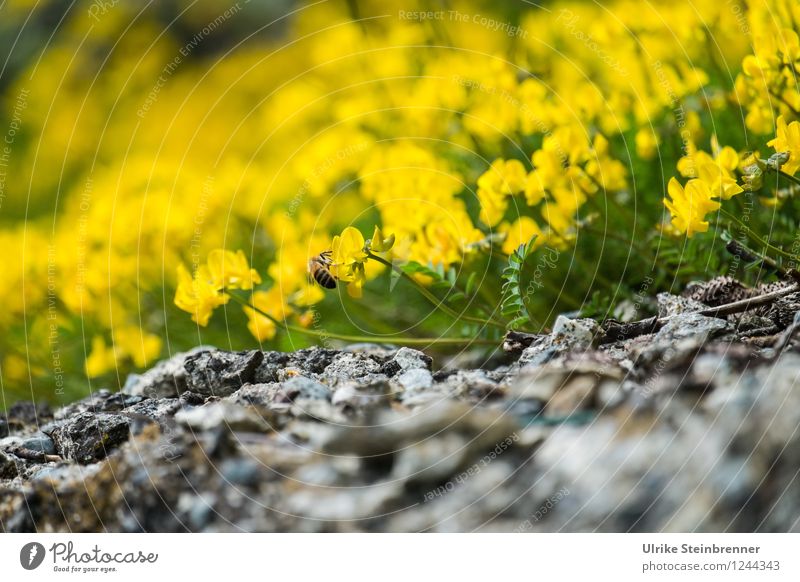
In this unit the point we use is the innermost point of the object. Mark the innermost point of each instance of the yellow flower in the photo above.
(378, 243)
(493, 206)
(718, 181)
(788, 140)
(519, 233)
(198, 295)
(503, 178)
(307, 295)
(348, 257)
(138, 345)
(231, 270)
(725, 158)
(646, 143)
(689, 206)
(101, 359)
(272, 303)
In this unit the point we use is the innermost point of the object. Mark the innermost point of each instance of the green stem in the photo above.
(793, 179)
(413, 341)
(756, 237)
(432, 298)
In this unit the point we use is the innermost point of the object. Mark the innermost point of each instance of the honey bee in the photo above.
(318, 268)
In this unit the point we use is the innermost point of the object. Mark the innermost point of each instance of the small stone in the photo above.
(691, 325)
(301, 388)
(474, 385)
(89, 437)
(218, 373)
(39, 442)
(568, 335)
(3, 427)
(576, 395)
(579, 332)
(8, 467)
(26, 413)
(223, 414)
(159, 410)
(257, 394)
(669, 304)
(353, 398)
(352, 366)
(167, 379)
(415, 379)
(244, 472)
(192, 398)
(406, 359)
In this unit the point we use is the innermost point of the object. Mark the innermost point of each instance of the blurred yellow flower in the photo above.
(231, 270)
(199, 294)
(520, 232)
(101, 359)
(270, 302)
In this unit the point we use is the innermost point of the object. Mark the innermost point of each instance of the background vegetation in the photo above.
(141, 136)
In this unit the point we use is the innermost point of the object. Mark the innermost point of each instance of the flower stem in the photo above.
(756, 237)
(781, 173)
(432, 298)
(793, 179)
(404, 341)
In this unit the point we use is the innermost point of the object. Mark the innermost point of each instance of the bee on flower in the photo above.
(346, 260)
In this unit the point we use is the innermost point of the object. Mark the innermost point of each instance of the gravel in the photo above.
(691, 428)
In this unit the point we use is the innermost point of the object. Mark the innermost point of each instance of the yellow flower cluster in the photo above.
(768, 81)
(767, 87)
(712, 178)
(566, 171)
(201, 293)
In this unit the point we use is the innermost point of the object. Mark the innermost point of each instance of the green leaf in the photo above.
(471, 284)
(457, 296)
(512, 303)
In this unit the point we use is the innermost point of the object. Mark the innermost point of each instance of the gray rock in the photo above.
(474, 385)
(243, 472)
(39, 442)
(256, 394)
(309, 362)
(353, 366)
(568, 335)
(101, 401)
(637, 435)
(159, 410)
(88, 437)
(218, 373)
(301, 388)
(27, 414)
(8, 467)
(165, 379)
(669, 304)
(406, 359)
(691, 325)
(415, 380)
(355, 398)
(223, 414)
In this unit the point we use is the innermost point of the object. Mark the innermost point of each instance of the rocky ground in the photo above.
(691, 427)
